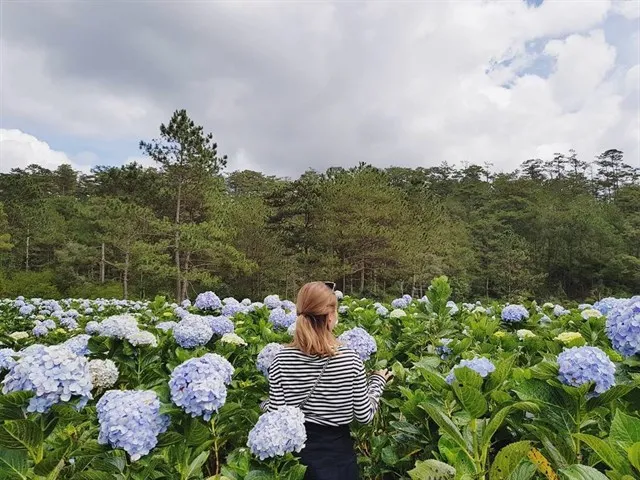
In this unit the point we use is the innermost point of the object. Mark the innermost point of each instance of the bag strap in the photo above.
(324, 367)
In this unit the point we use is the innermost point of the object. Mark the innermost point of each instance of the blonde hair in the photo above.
(313, 334)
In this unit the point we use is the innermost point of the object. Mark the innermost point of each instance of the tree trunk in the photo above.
(177, 246)
(102, 265)
(362, 276)
(125, 276)
(185, 280)
(26, 264)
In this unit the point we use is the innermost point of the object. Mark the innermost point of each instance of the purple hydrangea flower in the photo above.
(272, 301)
(279, 318)
(192, 331)
(79, 344)
(515, 313)
(7, 358)
(400, 303)
(208, 301)
(221, 325)
(266, 357)
(278, 433)
(131, 420)
(482, 366)
(580, 365)
(359, 340)
(623, 327)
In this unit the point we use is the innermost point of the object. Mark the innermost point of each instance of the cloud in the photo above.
(288, 85)
(19, 150)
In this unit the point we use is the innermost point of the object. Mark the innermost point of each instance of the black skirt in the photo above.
(328, 453)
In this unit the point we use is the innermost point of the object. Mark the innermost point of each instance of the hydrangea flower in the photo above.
(166, 326)
(288, 305)
(482, 366)
(232, 308)
(104, 373)
(397, 313)
(278, 433)
(198, 386)
(623, 327)
(545, 320)
(92, 328)
(584, 306)
(382, 311)
(55, 374)
(580, 365)
(567, 337)
(118, 326)
(339, 295)
(266, 357)
(26, 310)
(523, 333)
(359, 340)
(131, 420)
(79, 344)
(19, 335)
(453, 308)
(246, 302)
(39, 330)
(400, 303)
(292, 329)
(443, 349)
(233, 339)
(192, 331)
(514, 313)
(272, 301)
(590, 313)
(279, 318)
(186, 303)
(68, 323)
(142, 338)
(221, 325)
(559, 311)
(343, 309)
(7, 360)
(208, 301)
(606, 304)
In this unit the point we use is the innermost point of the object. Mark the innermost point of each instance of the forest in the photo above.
(566, 227)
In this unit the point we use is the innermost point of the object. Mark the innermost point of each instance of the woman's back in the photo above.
(341, 395)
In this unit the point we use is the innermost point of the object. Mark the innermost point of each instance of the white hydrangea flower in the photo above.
(142, 338)
(104, 373)
(19, 335)
(233, 339)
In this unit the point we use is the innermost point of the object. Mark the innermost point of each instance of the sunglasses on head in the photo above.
(330, 285)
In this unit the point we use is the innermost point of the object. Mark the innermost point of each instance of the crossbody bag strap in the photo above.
(324, 367)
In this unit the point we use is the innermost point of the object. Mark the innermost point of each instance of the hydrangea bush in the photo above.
(278, 433)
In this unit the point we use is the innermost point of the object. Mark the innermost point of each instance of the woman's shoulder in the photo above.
(348, 353)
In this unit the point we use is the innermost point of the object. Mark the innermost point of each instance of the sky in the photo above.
(287, 85)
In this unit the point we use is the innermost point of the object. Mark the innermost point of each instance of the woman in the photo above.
(328, 382)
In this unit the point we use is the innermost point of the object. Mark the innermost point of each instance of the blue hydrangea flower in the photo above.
(39, 330)
(443, 350)
(50, 324)
(359, 340)
(131, 420)
(198, 386)
(288, 305)
(584, 306)
(186, 303)
(515, 313)
(221, 325)
(606, 304)
(559, 311)
(343, 309)
(118, 326)
(26, 310)
(278, 433)
(580, 365)
(272, 301)
(400, 303)
(208, 301)
(407, 298)
(266, 357)
(192, 331)
(92, 328)
(279, 318)
(166, 326)
(232, 308)
(79, 344)
(55, 374)
(69, 323)
(623, 327)
(382, 311)
(292, 329)
(482, 366)
(7, 358)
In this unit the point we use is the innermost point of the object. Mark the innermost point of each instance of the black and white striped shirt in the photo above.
(342, 395)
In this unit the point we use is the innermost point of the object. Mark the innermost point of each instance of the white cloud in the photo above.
(627, 8)
(19, 150)
(287, 85)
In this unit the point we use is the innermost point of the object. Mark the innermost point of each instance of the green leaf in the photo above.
(525, 470)
(12, 404)
(508, 459)
(92, 475)
(389, 456)
(581, 472)
(625, 429)
(446, 424)
(22, 434)
(468, 377)
(606, 452)
(196, 433)
(614, 393)
(471, 399)
(195, 467)
(296, 472)
(545, 369)
(634, 455)
(434, 380)
(405, 427)
(169, 438)
(432, 470)
(497, 420)
(14, 464)
(501, 373)
(258, 475)
(50, 463)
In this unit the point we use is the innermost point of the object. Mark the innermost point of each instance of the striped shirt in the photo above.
(342, 394)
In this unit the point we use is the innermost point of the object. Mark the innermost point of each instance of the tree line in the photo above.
(561, 227)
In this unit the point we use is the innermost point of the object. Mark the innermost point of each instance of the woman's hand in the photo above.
(385, 373)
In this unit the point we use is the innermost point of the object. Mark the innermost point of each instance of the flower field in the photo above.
(113, 389)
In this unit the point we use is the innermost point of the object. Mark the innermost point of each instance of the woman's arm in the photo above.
(366, 395)
(276, 395)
